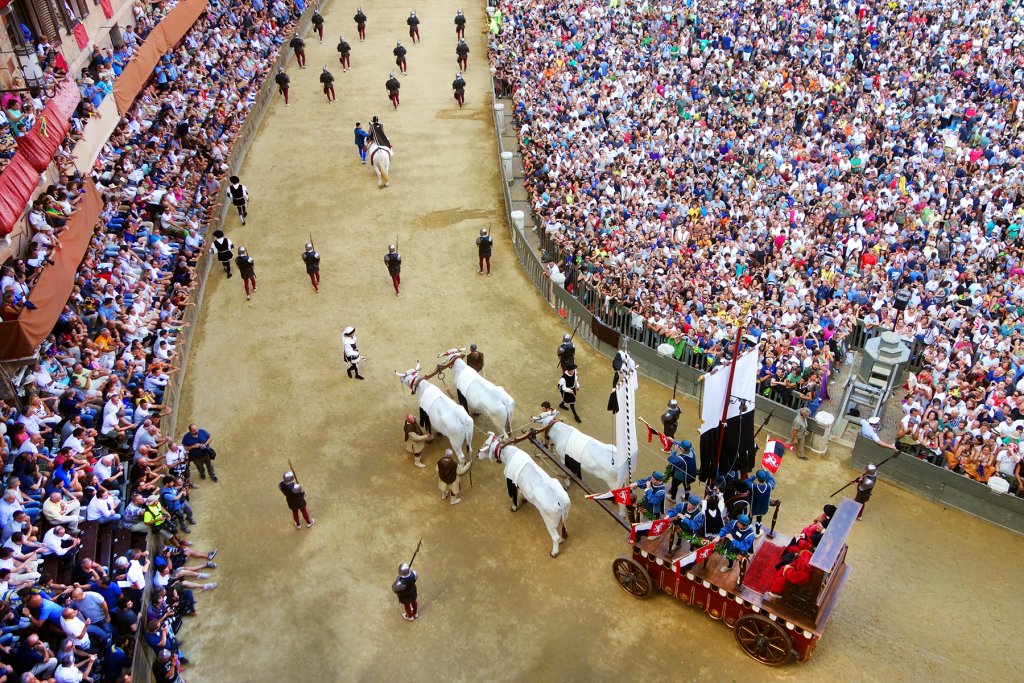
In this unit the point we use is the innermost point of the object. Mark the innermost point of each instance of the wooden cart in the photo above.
(770, 630)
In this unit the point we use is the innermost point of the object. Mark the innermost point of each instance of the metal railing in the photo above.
(144, 656)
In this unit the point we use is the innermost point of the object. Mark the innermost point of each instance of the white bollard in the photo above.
(506, 166)
(499, 117)
(518, 220)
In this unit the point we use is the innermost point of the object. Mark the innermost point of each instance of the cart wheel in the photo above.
(763, 639)
(632, 577)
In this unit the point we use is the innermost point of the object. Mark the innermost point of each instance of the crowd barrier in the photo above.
(142, 663)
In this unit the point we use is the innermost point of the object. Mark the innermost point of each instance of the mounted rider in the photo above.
(377, 133)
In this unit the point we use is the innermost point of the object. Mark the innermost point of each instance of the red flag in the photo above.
(666, 442)
(108, 11)
(659, 526)
(773, 452)
(650, 433)
(81, 37)
(704, 552)
(623, 496)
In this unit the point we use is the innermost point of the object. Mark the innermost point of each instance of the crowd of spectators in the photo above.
(803, 162)
(85, 446)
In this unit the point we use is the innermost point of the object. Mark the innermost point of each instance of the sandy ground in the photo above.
(929, 594)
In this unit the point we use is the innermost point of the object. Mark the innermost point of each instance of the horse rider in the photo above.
(670, 419)
(393, 86)
(459, 86)
(393, 261)
(327, 79)
(475, 359)
(351, 351)
(483, 248)
(568, 385)
(566, 352)
(399, 52)
(462, 52)
(360, 20)
(344, 50)
(361, 136)
(312, 260)
(739, 539)
(460, 24)
(299, 45)
(377, 133)
(865, 487)
(318, 24)
(223, 248)
(246, 266)
(283, 82)
(684, 467)
(239, 197)
(414, 27)
(687, 517)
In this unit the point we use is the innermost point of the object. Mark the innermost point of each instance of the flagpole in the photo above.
(728, 400)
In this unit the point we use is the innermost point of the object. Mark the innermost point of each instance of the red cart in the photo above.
(771, 630)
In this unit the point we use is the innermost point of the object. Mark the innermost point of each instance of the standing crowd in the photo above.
(803, 162)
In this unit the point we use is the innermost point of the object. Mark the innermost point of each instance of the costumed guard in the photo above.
(393, 86)
(568, 385)
(318, 24)
(224, 248)
(344, 54)
(484, 243)
(312, 260)
(654, 494)
(670, 419)
(377, 132)
(282, 81)
(865, 487)
(327, 80)
(247, 269)
(296, 497)
(739, 538)
(687, 517)
(462, 53)
(762, 484)
(414, 27)
(351, 352)
(399, 52)
(360, 19)
(714, 513)
(405, 588)
(460, 25)
(239, 196)
(683, 460)
(393, 261)
(566, 352)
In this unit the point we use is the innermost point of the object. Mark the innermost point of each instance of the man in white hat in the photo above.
(868, 428)
(296, 497)
(351, 352)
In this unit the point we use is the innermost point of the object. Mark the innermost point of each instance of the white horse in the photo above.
(445, 415)
(581, 453)
(523, 475)
(481, 395)
(380, 159)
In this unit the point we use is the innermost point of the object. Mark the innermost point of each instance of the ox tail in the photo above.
(509, 411)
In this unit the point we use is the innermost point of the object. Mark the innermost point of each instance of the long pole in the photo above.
(728, 400)
(857, 478)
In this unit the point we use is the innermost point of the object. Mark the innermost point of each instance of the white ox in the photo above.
(523, 475)
(582, 453)
(445, 415)
(482, 395)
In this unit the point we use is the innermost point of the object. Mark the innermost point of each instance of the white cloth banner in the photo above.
(744, 386)
(626, 444)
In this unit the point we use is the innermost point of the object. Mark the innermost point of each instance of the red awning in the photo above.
(17, 183)
(40, 144)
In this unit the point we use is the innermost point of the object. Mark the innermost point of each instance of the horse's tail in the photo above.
(385, 166)
(468, 435)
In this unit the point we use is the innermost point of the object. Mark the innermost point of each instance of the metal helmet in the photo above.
(241, 251)
(399, 43)
(412, 13)
(483, 232)
(403, 569)
(673, 403)
(566, 337)
(309, 247)
(325, 68)
(871, 469)
(289, 476)
(472, 347)
(280, 69)
(458, 75)
(391, 249)
(392, 75)
(459, 13)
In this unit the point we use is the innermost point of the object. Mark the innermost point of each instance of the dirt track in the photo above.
(926, 599)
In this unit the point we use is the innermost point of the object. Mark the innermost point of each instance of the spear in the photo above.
(675, 385)
(415, 553)
(311, 241)
(857, 479)
(291, 468)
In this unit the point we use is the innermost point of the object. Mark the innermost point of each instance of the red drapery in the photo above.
(41, 143)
